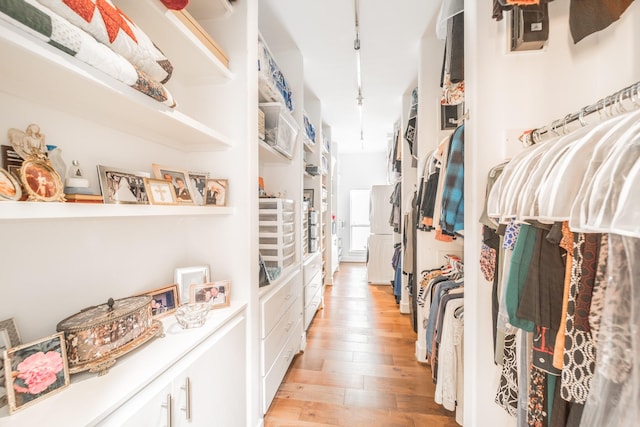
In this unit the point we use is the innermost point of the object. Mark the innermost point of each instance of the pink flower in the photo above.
(39, 371)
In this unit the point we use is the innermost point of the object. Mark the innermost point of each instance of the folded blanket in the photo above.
(44, 24)
(111, 27)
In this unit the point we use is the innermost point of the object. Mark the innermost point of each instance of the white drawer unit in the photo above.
(281, 312)
(273, 343)
(275, 303)
(313, 289)
(312, 298)
(272, 378)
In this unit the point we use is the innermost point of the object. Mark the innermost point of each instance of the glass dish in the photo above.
(192, 315)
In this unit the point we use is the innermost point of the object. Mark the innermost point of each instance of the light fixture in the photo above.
(356, 47)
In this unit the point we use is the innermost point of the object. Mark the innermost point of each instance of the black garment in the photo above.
(589, 16)
(542, 296)
(491, 238)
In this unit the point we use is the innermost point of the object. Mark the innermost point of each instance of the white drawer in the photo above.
(277, 302)
(311, 288)
(277, 338)
(310, 310)
(311, 267)
(272, 380)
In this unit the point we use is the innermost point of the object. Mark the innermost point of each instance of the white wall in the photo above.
(507, 93)
(357, 171)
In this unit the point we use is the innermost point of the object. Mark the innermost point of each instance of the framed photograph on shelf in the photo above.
(187, 276)
(160, 192)
(199, 185)
(41, 181)
(10, 188)
(122, 186)
(216, 193)
(179, 179)
(9, 337)
(35, 371)
(307, 195)
(216, 294)
(164, 300)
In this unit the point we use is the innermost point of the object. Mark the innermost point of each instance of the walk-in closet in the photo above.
(304, 212)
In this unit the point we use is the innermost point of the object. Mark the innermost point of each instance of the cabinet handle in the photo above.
(187, 391)
(288, 297)
(288, 356)
(289, 325)
(168, 405)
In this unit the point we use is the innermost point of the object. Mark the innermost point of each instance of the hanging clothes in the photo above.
(411, 133)
(452, 216)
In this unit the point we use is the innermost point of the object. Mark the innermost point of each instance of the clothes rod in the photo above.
(611, 102)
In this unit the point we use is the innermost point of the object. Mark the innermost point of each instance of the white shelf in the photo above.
(52, 210)
(308, 144)
(45, 75)
(192, 61)
(269, 154)
(210, 9)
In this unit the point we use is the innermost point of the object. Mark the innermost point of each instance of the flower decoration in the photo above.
(38, 372)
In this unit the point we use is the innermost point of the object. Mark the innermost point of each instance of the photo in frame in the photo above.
(164, 300)
(307, 195)
(35, 371)
(160, 192)
(179, 179)
(216, 294)
(10, 188)
(9, 337)
(217, 192)
(121, 186)
(187, 276)
(41, 181)
(199, 186)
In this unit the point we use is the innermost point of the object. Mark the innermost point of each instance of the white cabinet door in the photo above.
(205, 388)
(212, 390)
(152, 407)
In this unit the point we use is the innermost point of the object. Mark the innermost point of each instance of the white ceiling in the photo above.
(324, 32)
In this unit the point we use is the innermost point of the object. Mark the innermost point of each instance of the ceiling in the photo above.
(324, 32)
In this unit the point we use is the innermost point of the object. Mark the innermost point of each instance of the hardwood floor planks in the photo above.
(359, 366)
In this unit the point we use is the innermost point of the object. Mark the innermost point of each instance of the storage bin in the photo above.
(275, 203)
(278, 251)
(274, 215)
(281, 240)
(281, 130)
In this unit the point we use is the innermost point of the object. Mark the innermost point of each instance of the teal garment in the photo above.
(551, 389)
(520, 262)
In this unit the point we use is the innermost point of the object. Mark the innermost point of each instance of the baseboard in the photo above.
(405, 308)
(421, 353)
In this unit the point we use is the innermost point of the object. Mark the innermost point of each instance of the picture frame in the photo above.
(49, 355)
(9, 338)
(11, 160)
(184, 277)
(121, 186)
(217, 294)
(160, 192)
(164, 301)
(179, 179)
(217, 192)
(307, 194)
(199, 184)
(10, 188)
(41, 181)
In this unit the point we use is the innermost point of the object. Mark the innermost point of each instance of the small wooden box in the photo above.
(193, 25)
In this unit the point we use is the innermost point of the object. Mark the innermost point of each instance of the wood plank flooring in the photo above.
(358, 368)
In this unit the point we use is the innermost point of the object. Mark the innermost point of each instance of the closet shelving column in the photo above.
(312, 270)
(281, 303)
(87, 254)
(331, 186)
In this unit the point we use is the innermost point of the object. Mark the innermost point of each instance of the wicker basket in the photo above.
(261, 130)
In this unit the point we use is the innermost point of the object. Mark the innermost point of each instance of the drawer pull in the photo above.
(288, 297)
(289, 325)
(288, 356)
(187, 391)
(168, 404)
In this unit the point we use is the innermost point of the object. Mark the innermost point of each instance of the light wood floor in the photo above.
(358, 368)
